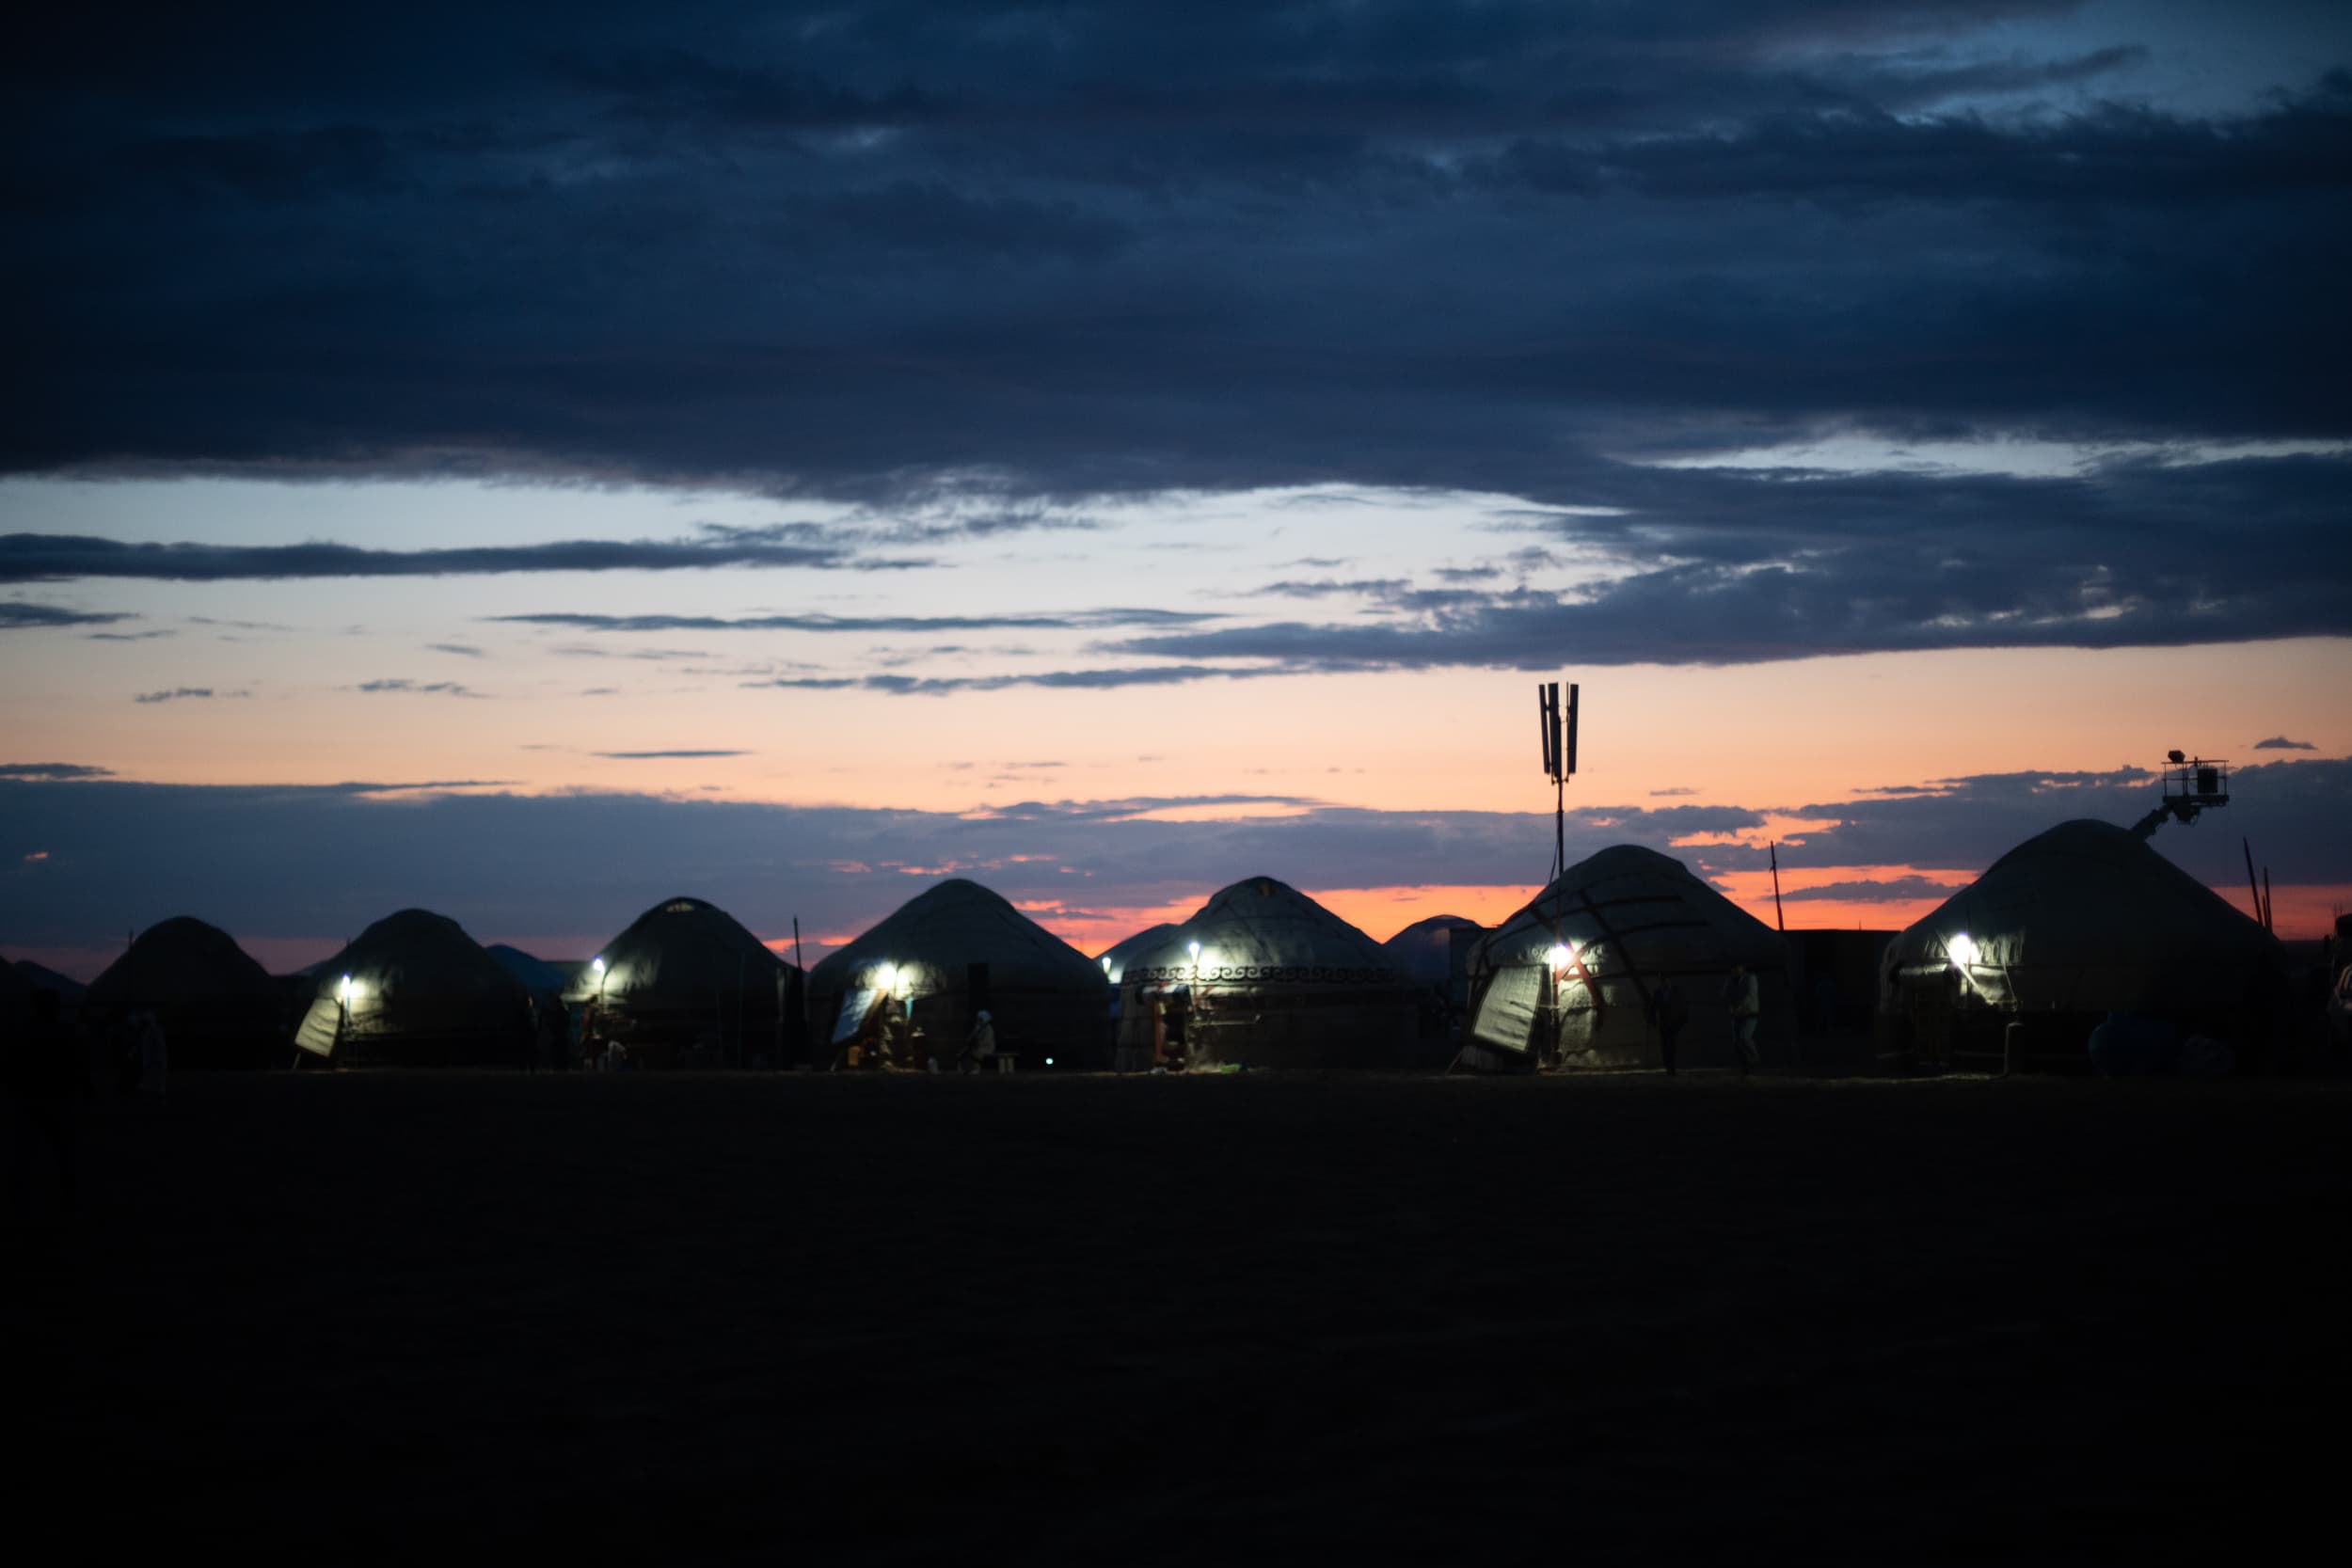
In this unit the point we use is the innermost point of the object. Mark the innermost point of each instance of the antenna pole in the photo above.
(1777, 919)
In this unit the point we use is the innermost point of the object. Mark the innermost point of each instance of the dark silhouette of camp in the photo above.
(41, 977)
(687, 985)
(1566, 980)
(1279, 981)
(415, 990)
(16, 999)
(951, 952)
(218, 1006)
(2072, 925)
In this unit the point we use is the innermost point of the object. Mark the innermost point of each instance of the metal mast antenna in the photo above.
(1559, 733)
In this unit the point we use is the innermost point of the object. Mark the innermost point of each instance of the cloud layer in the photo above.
(248, 857)
(916, 250)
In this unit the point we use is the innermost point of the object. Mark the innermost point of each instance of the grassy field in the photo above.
(706, 1318)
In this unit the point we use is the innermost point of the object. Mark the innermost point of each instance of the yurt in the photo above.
(1566, 981)
(219, 1007)
(687, 985)
(1434, 955)
(942, 956)
(539, 978)
(2073, 925)
(1115, 958)
(416, 991)
(1263, 976)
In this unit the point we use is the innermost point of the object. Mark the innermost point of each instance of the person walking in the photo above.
(979, 1046)
(154, 1057)
(1742, 996)
(1671, 1012)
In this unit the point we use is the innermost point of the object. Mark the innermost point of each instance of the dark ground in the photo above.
(693, 1318)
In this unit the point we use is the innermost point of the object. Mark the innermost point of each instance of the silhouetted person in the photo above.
(1744, 997)
(148, 1046)
(979, 1046)
(555, 1030)
(48, 1075)
(1671, 1011)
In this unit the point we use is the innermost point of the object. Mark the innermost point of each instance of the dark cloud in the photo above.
(2280, 743)
(53, 771)
(131, 635)
(1887, 890)
(649, 756)
(2292, 812)
(897, 253)
(18, 616)
(1732, 568)
(41, 558)
(463, 650)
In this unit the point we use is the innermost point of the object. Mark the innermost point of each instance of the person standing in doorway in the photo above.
(979, 1046)
(1743, 997)
(1671, 1012)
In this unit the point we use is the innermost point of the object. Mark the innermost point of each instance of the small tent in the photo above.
(1424, 951)
(1277, 981)
(415, 990)
(1434, 955)
(1568, 979)
(946, 955)
(219, 1007)
(688, 986)
(1114, 958)
(2085, 920)
(539, 978)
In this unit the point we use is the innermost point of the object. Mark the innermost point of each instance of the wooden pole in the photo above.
(2252, 885)
(2269, 921)
(1777, 919)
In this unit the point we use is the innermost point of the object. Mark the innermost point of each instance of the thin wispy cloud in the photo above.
(423, 689)
(1055, 680)
(1086, 620)
(17, 616)
(654, 756)
(185, 693)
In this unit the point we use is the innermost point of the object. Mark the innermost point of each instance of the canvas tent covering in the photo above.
(219, 1007)
(953, 949)
(1624, 918)
(687, 985)
(1279, 982)
(1422, 952)
(2080, 920)
(422, 993)
(539, 978)
(1114, 958)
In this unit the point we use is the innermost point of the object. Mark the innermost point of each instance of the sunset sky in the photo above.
(530, 461)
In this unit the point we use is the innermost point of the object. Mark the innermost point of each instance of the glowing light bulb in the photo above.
(1961, 949)
(1562, 954)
